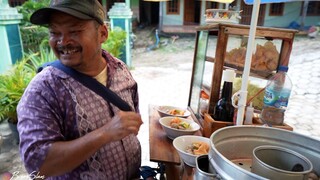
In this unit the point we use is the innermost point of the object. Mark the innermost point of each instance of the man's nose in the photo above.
(64, 39)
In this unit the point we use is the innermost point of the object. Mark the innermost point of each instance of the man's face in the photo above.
(76, 42)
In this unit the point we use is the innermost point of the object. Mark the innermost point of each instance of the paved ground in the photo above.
(164, 78)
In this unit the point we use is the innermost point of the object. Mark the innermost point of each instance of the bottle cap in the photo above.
(283, 68)
(229, 75)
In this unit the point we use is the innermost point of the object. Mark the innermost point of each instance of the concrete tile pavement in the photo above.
(166, 88)
(304, 70)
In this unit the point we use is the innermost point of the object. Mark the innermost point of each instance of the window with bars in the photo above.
(313, 8)
(211, 5)
(173, 7)
(234, 3)
(14, 3)
(232, 6)
(276, 9)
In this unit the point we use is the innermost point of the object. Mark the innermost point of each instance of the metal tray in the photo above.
(232, 147)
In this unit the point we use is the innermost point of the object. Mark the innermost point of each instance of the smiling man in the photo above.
(66, 130)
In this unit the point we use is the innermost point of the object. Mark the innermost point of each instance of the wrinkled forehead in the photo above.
(54, 2)
(63, 19)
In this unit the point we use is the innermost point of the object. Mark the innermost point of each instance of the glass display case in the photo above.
(221, 46)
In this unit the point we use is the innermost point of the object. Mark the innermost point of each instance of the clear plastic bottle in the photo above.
(276, 97)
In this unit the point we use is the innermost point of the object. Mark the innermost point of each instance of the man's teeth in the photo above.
(69, 51)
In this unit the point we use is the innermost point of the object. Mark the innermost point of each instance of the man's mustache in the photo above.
(67, 47)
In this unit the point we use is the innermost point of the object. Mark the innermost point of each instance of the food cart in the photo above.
(211, 57)
(273, 49)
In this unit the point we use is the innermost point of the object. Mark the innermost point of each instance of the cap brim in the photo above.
(42, 16)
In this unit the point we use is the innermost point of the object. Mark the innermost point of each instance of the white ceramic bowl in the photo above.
(164, 111)
(181, 143)
(173, 132)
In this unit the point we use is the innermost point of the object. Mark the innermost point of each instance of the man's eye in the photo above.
(52, 33)
(75, 31)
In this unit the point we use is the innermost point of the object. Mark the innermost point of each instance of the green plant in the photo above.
(12, 86)
(115, 42)
(32, 35)
(28, 8)
(15, 80)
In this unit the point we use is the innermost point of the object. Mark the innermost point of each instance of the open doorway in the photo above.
(149, 12)
(192, 12)
(247, 14)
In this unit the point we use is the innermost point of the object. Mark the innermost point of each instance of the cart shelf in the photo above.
(216, 49)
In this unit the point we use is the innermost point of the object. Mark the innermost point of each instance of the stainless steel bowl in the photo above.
(231, 148)
(275, 162)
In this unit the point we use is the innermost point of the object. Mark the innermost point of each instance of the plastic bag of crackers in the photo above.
(265, 58)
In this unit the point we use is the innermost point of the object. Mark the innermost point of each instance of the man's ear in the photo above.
(103, 33)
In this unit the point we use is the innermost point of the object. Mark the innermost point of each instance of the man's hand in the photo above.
(123, 124)
(67, 155)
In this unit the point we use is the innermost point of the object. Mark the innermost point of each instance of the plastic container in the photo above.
(249, 115)
(6, 139)
(276, 97)
(204, 102)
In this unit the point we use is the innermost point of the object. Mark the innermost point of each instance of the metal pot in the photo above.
(231, 150)
(275, 162)
(204, 170)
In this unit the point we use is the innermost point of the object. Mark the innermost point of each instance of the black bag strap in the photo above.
(92, 84)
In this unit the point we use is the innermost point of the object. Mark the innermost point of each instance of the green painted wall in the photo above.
(291, 13)
(15, 43)
(134, 6)
(173, 19)
(5, 61)
(134, 3)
